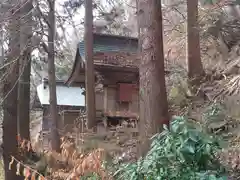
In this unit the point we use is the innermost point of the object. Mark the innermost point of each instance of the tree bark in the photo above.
(10, 94)
(90, 79)
(55, 138)
(153, 97)
(25, 70)
(1, 48)
(195, 67)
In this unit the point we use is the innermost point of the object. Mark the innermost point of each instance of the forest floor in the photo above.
(221, 117)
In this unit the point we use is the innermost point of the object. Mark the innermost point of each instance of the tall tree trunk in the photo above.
(153, 97)
(138, 29)
(55, 139)
(10, 94)
(2, 57)
(25, 70)
(195, 68)
(90, 79)
(1, 48)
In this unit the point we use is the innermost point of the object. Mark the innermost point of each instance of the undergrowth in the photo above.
(183, 152)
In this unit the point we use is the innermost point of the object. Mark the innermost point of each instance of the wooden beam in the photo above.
(90, 78)
(115, 68)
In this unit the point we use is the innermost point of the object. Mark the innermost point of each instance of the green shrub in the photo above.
(184, 152)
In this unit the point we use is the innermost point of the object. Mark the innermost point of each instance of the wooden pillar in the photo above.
(105, 98)
(90, 80)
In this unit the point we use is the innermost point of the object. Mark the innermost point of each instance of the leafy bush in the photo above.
(183, 152)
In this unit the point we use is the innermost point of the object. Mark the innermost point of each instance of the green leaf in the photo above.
(212, 177)
(165, 127)
(208, 149)
(223, 178)
(188, 149)
(133, 176)
(193, 135)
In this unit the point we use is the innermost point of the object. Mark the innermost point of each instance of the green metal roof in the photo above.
(111, 43)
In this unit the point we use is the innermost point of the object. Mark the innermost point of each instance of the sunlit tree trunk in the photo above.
(10, 94)
(153, 97)
(195, 67)
(90, 77)
(25, 70)
(55, 139)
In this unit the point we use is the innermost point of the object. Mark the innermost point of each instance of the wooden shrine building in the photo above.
(116, 71)
(70, 101)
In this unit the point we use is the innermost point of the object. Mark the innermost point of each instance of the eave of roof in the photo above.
(114, 36)
(75, 68)
(79, 61)
(66, 96)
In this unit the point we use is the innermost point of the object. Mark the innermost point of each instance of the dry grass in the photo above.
(80, 159)
(71, 163)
